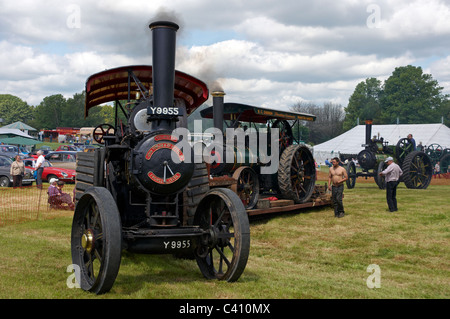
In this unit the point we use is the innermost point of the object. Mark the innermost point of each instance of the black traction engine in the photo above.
(141, 191)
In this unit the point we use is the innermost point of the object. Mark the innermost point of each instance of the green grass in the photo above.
(304, 255)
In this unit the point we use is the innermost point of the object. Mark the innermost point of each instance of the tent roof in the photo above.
(20, 126)
(9, 132)
(351, 141)
(19, 140)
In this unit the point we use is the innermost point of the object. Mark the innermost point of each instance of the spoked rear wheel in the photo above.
(96, 240)
(223, 253)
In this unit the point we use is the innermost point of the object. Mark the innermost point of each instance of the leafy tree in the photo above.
(408, 94)
(102, 114)
(412, 96)
(73, 111)
(13, 109)
(55, 111)
(444, 111)
(364, 103)
(49, 113)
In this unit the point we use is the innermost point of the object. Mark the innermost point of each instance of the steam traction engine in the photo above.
(416, 165)
(293, 179)
(141, 192)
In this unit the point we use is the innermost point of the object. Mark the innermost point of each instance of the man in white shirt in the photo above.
(392, 173)
(39, 168)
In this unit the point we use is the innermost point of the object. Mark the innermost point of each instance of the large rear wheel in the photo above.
(351, 173)
(417, 170)
(297, 173)
(380, 180)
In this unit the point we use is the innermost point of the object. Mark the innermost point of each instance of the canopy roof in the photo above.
(18, 140)
(20, 126)
(10, 132)
(248, 113)
(119, 84)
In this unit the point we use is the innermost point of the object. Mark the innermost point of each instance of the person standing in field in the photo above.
(392, 173)
(437, 170)
(336, 177)
(39, 168)
(17, 171)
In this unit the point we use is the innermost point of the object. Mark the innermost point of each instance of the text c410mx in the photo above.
(226, 309)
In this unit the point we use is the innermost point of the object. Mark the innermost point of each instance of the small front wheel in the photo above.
(224, 251)
(96, 240)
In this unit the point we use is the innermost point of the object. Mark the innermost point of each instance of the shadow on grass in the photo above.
(138, 272)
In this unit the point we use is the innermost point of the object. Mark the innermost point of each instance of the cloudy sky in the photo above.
(265, 52)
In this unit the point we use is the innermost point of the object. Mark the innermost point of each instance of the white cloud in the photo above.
(417, 18)
(275, 54)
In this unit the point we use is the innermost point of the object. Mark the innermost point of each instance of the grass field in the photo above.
(297, 255)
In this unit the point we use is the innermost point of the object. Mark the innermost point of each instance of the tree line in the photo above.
(54, 111)
(408, 95)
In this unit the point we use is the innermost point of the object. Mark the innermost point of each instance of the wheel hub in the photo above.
(87, 240)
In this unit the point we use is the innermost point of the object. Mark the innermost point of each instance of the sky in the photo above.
(264, 53)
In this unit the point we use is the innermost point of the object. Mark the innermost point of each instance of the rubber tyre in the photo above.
(297, 161)
(417, 170)
(4, 181)
(380, 180)
(351, 173)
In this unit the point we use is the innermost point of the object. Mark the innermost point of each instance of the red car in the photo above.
(63, 174)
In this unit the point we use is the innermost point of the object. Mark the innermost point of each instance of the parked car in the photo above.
(68, 148)
(62, 159)
(45, 149)
(11, 151)
(63, 174)
(5, 176)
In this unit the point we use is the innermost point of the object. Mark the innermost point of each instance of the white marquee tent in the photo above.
(9, 132)
(351, 141)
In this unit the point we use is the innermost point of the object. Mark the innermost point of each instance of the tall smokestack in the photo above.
(164, 46)
(368, 132)
(218, 109)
